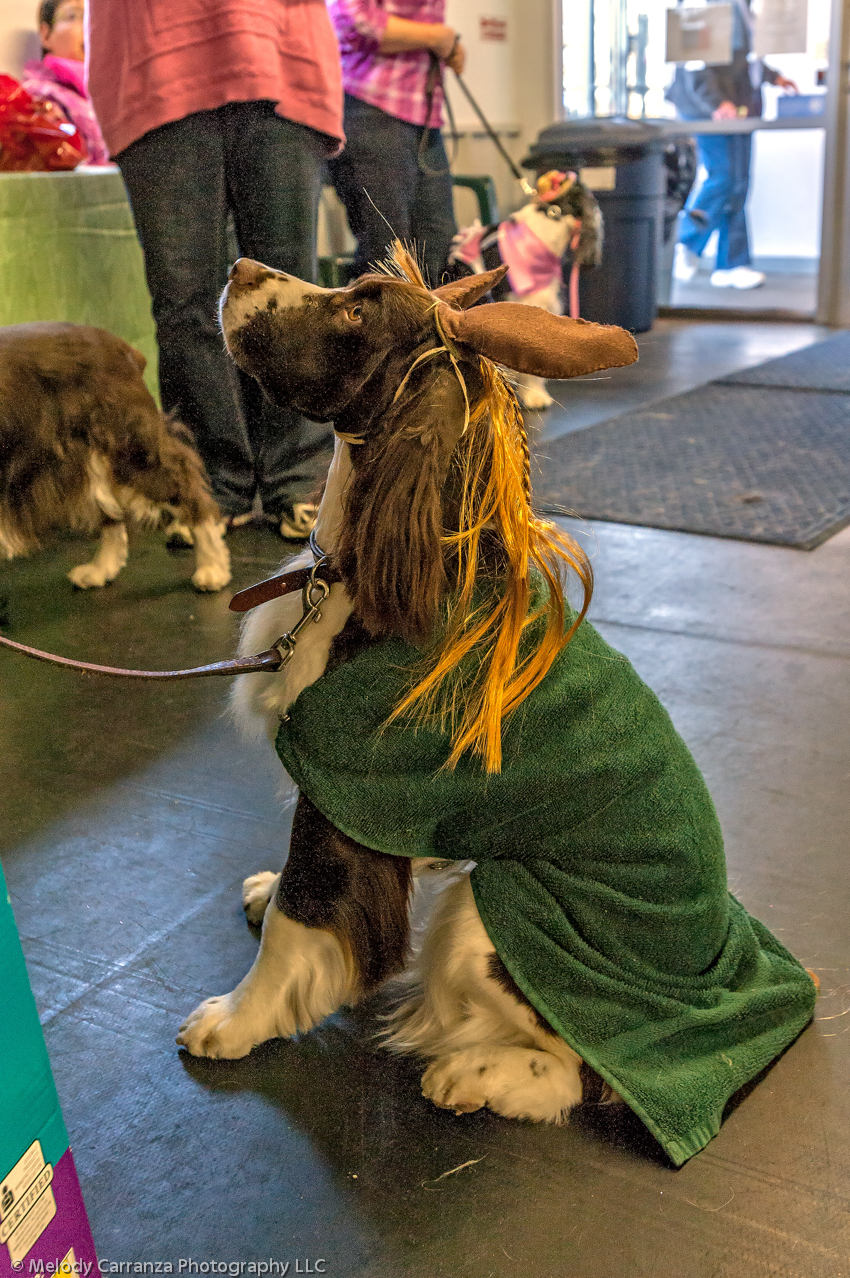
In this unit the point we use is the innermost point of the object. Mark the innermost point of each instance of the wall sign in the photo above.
(493, 28)
(781, 26)
(701, 35)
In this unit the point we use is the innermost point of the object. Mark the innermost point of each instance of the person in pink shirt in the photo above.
(393, 176)
(216, 109)
(59, 76)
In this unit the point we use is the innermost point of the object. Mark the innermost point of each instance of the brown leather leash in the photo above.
(314, 590)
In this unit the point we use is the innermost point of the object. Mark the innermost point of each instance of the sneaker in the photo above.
(299, 523)
(229, 522)
(738, 277)
(685, 264)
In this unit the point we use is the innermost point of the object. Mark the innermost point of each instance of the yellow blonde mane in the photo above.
(496, 495)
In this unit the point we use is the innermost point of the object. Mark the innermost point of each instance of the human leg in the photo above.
(274, 171)
(432, 218)
(376, 177)
(704, 211)
(733, 247)
(175, 182)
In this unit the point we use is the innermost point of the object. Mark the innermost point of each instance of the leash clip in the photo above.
(313, 595)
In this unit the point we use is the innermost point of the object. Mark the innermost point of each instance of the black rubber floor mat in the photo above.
(825, 366)
(728, 461)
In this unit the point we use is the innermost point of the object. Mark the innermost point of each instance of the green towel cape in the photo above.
(600, 873)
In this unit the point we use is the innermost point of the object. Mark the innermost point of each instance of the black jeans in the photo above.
(380, 167)
(183, 180)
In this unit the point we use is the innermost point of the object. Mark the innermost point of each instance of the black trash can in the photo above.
(625, 159)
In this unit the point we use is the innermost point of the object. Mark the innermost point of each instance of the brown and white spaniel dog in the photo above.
(400, 372)
(83, 446)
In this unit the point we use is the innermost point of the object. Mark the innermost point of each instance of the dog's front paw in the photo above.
(84, 576)
(516, 1082)
(222, 1028)
(257, 891)
(210, 577)
(536, 398)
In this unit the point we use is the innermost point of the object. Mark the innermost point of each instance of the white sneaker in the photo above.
(685, 264)
(738, 277)
(298, 525)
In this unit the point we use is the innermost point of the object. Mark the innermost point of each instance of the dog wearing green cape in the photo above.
(443, 704)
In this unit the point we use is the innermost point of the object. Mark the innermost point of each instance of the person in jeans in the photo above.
(722, 93)
(393, 176)
(213, 109)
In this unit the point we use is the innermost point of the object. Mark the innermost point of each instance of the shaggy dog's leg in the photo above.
(532, 390)
(490, 1047)
(212, 558)
(335, 929)
(107, 563)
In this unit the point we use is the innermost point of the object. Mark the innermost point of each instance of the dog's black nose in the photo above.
(246, 272)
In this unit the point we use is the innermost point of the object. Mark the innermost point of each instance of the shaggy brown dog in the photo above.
(84, 446)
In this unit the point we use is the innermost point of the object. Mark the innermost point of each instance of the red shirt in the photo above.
(154, 62)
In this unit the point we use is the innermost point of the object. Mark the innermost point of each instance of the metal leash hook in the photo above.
(313, 595)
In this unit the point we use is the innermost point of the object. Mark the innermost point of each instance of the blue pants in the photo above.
(719, 202)
(380, 166)
(183, 181)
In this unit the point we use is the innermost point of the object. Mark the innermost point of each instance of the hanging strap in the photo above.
(435, 77)
(494, 138)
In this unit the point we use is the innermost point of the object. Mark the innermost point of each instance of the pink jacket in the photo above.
(152, 63)
(61, 80)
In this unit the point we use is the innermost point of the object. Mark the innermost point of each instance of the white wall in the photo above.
(18, 37)
(513, 81)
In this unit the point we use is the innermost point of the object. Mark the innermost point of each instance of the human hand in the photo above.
(782, 82)
(444, 41)
(726, 111)
(457, 59)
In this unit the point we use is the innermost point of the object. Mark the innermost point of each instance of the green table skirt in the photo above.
(69, 251)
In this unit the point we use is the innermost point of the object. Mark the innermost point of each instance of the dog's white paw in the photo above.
(257, 891)
(84, 576)
(516, 1082)
(535, 398)
(224, 1028)
(210, 577)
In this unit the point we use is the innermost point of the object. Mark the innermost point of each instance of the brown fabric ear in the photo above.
(469, 290)
(530, 340)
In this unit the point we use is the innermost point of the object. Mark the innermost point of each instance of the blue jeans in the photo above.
(719, 202)
(183, 181)
(380, 167)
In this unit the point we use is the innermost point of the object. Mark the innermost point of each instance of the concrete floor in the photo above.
(781, 291)
(132, 813)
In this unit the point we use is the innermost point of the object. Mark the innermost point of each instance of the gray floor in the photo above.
(132, 814)
(781, 291)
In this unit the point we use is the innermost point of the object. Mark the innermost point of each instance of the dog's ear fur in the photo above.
(465, 292)
(390, 550)
(531, 340)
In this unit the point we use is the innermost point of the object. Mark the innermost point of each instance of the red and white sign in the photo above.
(493, 28)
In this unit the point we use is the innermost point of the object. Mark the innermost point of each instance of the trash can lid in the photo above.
(601, 138)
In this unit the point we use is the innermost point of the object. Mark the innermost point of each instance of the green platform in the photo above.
(69, 251)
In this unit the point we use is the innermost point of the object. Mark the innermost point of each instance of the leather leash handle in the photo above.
(263, 663)
(268, 662)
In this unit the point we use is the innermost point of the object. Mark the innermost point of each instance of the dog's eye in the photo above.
(354, 313)
(554, 212)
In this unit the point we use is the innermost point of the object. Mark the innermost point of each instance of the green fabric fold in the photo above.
(600, 873)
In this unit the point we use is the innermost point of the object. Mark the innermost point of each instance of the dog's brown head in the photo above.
(439, 499)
